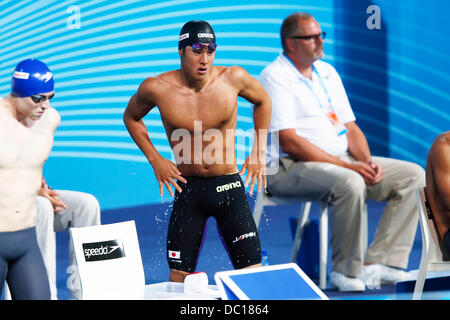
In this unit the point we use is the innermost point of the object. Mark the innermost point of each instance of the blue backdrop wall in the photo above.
(397, 75)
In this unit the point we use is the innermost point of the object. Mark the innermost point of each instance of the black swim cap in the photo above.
(196, 31)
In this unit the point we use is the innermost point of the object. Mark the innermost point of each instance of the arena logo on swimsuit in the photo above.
(228, 186)
(105, 250)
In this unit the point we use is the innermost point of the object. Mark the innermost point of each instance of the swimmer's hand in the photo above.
(166, 172)
(57, 203)
(256, 172)
(52, 196)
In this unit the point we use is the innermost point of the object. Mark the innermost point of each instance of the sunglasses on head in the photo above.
(198, 47)
(39, 97)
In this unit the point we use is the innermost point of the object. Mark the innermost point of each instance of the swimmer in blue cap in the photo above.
(32, 87)
(198, 107)
(27, 124)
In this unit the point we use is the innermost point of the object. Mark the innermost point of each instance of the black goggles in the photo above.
(198, 47)
(39, 97)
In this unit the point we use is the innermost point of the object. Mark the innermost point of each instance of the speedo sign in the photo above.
(105, 250)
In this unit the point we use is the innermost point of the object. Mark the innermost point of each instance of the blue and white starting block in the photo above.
(276, 282)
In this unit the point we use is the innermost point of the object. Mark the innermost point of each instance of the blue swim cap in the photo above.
(30, 77)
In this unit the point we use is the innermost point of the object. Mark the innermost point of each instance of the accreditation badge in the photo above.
(338, 126)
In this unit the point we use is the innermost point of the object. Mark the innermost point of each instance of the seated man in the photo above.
(58, 211)
(325, 157)
(438, 189)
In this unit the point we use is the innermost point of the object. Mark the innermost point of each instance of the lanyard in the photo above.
(339, 127)
(308, 84)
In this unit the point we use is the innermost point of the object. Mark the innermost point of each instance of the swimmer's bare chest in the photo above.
(22, 156)
(205, 122)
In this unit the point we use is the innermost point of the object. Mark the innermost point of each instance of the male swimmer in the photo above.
(200, 98)
(438, 189)
(27, 124)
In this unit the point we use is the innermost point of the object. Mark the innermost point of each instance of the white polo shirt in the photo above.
(302, 104)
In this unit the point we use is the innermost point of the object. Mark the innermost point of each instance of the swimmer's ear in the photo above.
(181, 52)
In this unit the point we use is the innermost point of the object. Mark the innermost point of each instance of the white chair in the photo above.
(431, 259)
(263, 200)
(109, 261)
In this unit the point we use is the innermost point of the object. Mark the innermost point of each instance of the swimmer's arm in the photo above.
(440, 153)
(52, 196)
(139, 105)
(253, 91)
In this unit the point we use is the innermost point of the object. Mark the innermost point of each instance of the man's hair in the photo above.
(290, 26)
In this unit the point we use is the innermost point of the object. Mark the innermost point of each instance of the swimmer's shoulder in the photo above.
(50, 119)
(234, 74)
(5, 109)
(48, 122)
(233, 71)
(440, 150)
(444, 138)
(442, 141)
(159, 82)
